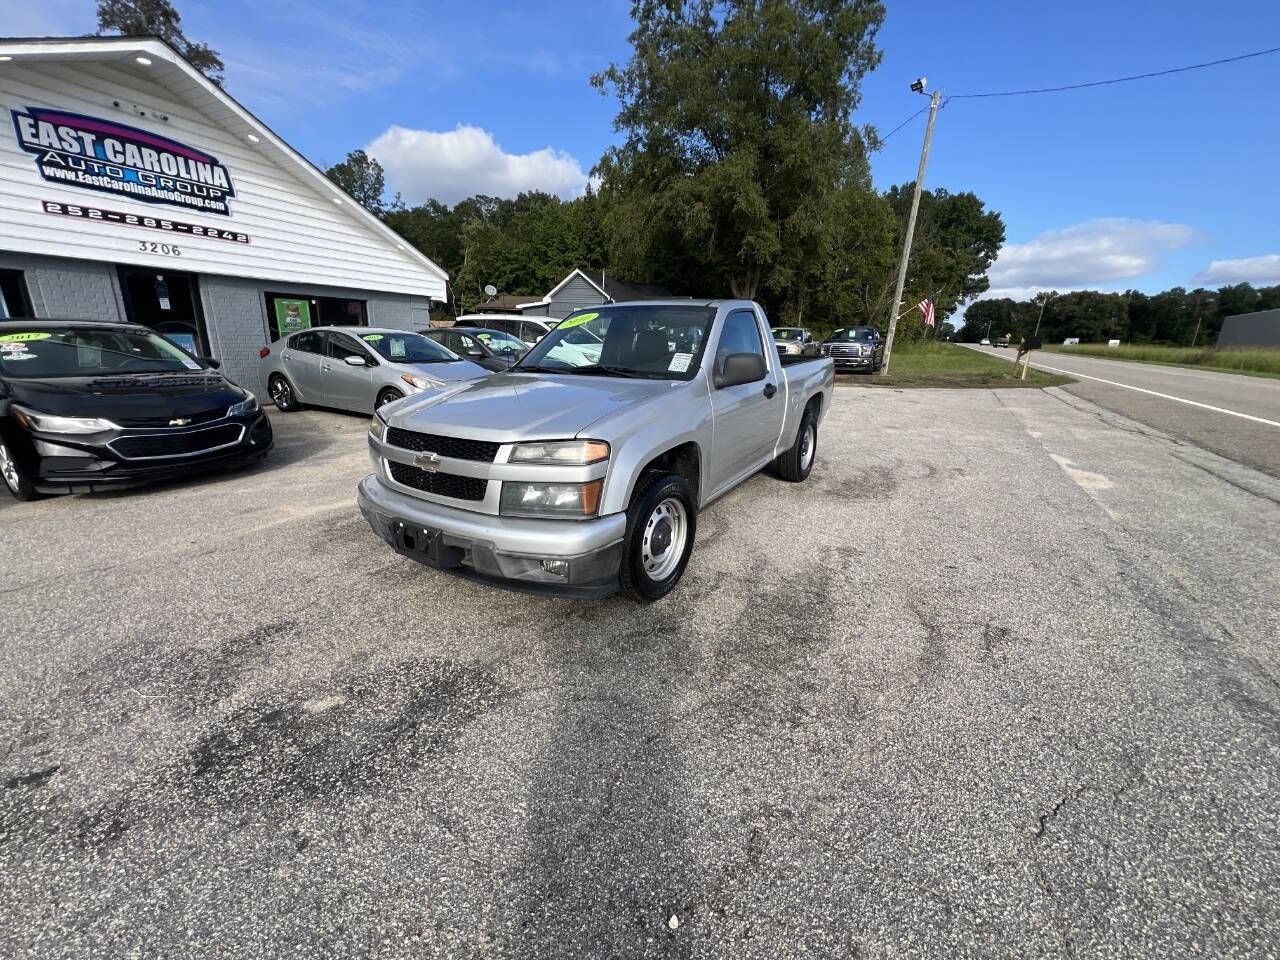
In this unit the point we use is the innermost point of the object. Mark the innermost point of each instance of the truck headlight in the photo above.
(48, 423)
(419, 382)
(570, 501)
(378, 427)
(245, 407)
(562, 452)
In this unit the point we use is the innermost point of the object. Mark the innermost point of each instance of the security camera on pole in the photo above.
(917, 87)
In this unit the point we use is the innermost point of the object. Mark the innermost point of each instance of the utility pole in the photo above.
(1041, 314)
(911, 228)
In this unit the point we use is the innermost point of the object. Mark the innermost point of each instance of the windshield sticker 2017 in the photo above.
(23, 337)
(680, 362)
(577, 321)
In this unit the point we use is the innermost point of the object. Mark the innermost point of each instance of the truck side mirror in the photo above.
(738, 368)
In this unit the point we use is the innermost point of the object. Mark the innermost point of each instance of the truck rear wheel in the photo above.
(661, 523)
(794, 465)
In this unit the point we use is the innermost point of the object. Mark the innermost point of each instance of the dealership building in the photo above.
(133, 188)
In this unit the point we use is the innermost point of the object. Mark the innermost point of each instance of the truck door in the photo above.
(748, 416)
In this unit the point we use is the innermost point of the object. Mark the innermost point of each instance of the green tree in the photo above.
(158, 18)
(737, 128)
(362, 177)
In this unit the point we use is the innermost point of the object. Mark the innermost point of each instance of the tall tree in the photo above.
(158, 18)
(738, 134)
(362, 177)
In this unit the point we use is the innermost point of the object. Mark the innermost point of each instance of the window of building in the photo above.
(290, 312)
(14, 301)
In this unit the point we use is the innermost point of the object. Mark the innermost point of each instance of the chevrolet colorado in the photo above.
(577, 473)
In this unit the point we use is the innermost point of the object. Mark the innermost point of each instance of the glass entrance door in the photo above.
(168, 302)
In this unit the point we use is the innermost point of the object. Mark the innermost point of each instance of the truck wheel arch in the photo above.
(684, 460)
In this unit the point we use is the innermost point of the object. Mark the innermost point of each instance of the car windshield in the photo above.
(657, 341)
(852, 333)
(786, 333)
(502, 343)
(408, 348)
(88, 352)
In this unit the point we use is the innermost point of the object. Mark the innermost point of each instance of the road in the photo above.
(1001, 680)
(1231, 429)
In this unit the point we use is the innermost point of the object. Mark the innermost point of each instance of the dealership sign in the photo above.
(95, 154)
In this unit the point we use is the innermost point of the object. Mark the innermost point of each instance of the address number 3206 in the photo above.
(168, 249)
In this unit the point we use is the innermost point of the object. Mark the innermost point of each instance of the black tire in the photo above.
(16, 480)
(656, 492)
(387, 395)
(282, 395)
(794, 465)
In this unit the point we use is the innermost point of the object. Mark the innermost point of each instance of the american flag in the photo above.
(925, 306)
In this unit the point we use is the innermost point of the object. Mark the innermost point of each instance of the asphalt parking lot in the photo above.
(1002, 679)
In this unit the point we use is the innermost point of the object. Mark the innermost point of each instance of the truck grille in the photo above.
(455, 447)
(441, 484)
(156, 446)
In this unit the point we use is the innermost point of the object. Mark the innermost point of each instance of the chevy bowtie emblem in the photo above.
(430, 462)
(179, 421)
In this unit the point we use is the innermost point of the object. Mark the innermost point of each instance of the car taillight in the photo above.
(263, 353)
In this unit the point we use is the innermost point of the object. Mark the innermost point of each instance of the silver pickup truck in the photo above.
(580, 472)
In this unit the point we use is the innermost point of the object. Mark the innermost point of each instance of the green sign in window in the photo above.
(292, 316)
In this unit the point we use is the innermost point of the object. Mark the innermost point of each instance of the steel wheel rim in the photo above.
(806, 447)
(665, 533)
(279, 392)
(9, 469)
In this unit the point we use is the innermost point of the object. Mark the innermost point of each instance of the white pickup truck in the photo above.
(577, 474)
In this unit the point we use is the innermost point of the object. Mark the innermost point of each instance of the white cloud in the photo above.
(1263, 270)
(1092, 254)
(454, 164)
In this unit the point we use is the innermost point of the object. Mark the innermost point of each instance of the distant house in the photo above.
(588, 288)
(1259, 329)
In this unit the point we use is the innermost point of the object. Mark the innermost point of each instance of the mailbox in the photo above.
(1033, 343)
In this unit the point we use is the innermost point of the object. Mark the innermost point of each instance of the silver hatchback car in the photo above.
(357, 368)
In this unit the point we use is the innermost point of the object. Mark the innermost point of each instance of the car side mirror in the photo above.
(211, 362)
(475, 352)
(354, 361)
(740, 368)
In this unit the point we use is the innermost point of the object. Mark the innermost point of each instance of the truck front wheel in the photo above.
(661, 523)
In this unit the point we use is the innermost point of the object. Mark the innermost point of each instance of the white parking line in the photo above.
(1163, 396)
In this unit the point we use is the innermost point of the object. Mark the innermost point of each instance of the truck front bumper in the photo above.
(560, 557)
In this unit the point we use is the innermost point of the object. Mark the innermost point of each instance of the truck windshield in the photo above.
(86, 352)
(852, 333)
(787, 333)
(657, 341)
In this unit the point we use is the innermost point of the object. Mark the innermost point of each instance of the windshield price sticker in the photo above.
(576, 321)
(680, 362)
(372, 337)
(397, 347)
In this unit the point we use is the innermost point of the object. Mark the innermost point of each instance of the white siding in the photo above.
(297, 233)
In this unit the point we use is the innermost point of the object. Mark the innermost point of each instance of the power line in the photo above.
(1103, 83)
(903, 124)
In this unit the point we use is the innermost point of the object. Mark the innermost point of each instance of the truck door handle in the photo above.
(769, 390)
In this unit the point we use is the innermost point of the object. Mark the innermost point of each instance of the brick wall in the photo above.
(68, 289)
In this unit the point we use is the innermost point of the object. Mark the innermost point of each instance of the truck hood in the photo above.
(510, 407)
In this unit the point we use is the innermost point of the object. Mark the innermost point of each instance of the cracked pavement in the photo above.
(1000, 680)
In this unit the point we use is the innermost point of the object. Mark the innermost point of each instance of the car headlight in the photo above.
(245, 407)
(48, 423)
(378, 427)
(576, 501)
(419, 382)
(562, 452)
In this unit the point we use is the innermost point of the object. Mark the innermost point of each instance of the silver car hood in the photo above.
(510, 407)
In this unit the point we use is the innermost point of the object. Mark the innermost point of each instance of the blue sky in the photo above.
(1149, 184)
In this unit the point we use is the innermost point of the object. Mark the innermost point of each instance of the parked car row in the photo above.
(577, 465)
